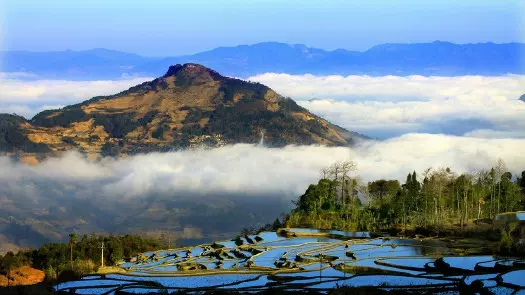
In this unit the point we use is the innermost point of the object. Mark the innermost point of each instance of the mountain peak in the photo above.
(190, 106)
(191, 71)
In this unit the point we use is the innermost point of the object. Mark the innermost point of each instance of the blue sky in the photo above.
(160, 28)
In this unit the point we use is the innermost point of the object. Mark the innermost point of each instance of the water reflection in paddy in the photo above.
(308, 262)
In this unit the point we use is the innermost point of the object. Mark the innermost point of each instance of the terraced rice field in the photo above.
(301, 259)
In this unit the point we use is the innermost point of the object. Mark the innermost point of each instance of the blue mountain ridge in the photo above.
(428, 59)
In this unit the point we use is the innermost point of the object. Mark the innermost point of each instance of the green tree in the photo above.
(383, 189)
(72, 241)
(276, 224)
(116, 251)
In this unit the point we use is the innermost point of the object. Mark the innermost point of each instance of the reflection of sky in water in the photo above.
(390, 255)
(196, 251)
(94, 291)
(297, 241)
(269, 257)
(353, 234)
(516, 278)
(408, 262)
(259, 282)
(194, 281)
(377, 280)
(468, 263)
(166, 268)
(470, 279)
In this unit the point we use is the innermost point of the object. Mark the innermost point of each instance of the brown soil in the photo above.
(24, 275)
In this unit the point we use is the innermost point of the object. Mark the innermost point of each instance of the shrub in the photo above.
(505, 242)
(83, 267)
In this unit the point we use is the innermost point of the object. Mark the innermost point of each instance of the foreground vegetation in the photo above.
(440, 202)
(80, 256)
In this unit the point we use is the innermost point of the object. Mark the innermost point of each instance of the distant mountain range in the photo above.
(436, 58)
(189, 106)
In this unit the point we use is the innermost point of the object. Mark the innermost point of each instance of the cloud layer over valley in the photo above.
(250, 170)
(253, 170)
(389, 106)
(219, 191)
(214, 193)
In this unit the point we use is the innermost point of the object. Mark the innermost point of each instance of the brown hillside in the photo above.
(189, 106)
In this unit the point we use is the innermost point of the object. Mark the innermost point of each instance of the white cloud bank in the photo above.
(28, 97)
(389, 106)
(253, 170)
(382, 107)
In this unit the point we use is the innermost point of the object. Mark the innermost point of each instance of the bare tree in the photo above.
(346, 167)
(72, 241)
(325, 172)
(498, 172)
(335, 172)
(466, 184)
(439, 180)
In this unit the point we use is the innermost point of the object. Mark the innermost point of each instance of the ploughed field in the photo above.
(309, 259)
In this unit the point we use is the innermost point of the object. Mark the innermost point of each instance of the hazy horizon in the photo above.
(186, 28)
(263, 42)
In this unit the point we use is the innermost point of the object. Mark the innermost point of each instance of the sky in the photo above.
(167, 28)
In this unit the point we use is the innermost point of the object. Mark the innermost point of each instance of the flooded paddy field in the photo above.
(308, 259)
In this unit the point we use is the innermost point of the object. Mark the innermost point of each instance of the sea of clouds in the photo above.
(417, 117)
(252, 170)
(385, 107)
(380, 107)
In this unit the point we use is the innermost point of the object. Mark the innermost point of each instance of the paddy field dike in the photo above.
(309, 260)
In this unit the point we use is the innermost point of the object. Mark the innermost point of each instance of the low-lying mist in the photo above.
(212, 193)
(255, 170)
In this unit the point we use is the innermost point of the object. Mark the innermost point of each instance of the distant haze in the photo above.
(168, 28)
(438, 58)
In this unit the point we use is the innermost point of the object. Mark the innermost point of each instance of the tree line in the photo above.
(79, 256)
(435, 198)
